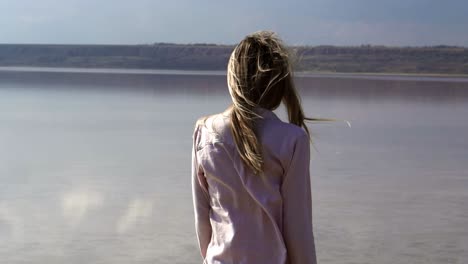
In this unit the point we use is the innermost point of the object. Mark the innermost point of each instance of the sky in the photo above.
(298, 22)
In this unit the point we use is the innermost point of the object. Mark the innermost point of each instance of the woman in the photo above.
(250, 174)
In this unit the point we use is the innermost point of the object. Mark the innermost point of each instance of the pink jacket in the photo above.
(242, 218)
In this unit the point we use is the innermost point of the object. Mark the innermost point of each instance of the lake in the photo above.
(95, 165)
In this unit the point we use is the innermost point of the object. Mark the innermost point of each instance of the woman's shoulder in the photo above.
(213, 121)
(214, 127)
(283, 130)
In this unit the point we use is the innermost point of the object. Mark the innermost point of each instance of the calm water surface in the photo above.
(95, 166)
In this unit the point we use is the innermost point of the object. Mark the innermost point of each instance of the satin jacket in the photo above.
(243, 218)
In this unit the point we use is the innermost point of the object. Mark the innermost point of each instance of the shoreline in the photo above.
(439, 75)
(306, 74)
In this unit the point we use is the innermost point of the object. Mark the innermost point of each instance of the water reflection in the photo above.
(95, 168)
(138, 210)
(11, 225)
(76, 205)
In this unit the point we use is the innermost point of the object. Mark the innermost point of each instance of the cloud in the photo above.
(424, 22)
(393, 34)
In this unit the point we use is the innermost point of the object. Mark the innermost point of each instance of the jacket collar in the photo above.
(263, 112)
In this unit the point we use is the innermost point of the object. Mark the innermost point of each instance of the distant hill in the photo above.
(364, 58)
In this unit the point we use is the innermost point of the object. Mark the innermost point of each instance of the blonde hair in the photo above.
(259, 74)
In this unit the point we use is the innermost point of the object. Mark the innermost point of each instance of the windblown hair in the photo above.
(259, 74)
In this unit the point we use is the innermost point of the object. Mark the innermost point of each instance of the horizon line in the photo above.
(232, 45)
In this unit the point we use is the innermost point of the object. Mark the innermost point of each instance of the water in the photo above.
(95, 166)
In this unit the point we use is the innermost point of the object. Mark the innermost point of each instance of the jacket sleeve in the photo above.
(297, 206)
(201, 200)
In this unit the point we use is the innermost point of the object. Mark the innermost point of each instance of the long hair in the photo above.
(259, 74)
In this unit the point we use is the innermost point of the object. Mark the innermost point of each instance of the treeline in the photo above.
(381, 59)
(364, 58)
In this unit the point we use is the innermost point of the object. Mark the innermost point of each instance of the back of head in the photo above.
(259, 75)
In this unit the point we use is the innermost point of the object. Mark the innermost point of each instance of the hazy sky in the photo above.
(312, 22)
